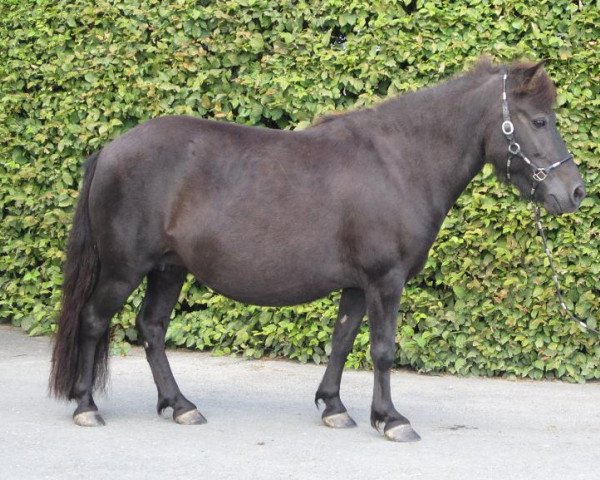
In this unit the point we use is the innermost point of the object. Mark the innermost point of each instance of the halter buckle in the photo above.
(540, 175)
(507, 127)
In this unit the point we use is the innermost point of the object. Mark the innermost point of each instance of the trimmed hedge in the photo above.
(76, 73)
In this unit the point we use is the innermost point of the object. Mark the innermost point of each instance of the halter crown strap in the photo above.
(507, 126)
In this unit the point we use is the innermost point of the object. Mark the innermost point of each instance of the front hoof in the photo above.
(89, 419)
(339, 420)
(191, 417)
(401, 433)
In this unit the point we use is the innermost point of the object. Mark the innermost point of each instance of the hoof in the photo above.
(339, 420)
(191, 417)
(88, 419)
(400, 433)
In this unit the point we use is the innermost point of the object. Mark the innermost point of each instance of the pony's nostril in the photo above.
(578, 194)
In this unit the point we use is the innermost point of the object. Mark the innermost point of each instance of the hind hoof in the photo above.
(191, 417)
(89, 419)
(401, 433)
(339, 420)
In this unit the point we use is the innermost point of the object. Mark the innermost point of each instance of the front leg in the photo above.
(382, 309)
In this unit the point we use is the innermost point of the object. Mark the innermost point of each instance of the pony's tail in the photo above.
(80, 272)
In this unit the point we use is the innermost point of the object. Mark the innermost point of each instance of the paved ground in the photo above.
(263, 424)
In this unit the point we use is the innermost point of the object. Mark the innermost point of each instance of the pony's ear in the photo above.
(530, 73)
(532, 81)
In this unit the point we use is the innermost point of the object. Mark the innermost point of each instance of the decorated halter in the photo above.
(539, 174)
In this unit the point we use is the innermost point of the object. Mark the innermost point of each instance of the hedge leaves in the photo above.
(75, 74)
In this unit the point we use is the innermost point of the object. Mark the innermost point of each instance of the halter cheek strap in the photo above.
(539, 174)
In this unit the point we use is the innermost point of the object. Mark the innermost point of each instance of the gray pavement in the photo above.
(262, 424)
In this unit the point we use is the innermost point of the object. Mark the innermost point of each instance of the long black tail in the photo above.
(80, 272)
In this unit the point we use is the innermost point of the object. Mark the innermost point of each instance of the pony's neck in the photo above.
(441, 130)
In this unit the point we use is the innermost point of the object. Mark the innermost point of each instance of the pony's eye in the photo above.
(539, 122)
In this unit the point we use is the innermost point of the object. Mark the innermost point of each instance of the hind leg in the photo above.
(351, 312)
(109, 295)
(161, 296)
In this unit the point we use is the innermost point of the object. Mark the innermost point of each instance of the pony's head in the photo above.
(523, 142)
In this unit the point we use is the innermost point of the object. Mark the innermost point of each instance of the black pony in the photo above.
(273, 217)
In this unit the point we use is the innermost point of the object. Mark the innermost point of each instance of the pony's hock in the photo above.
(273, 217)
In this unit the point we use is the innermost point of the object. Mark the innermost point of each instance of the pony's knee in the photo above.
(151, 332)
(383, 356)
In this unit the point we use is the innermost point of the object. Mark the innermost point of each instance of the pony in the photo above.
(273, 217)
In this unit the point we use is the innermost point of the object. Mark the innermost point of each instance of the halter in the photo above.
(539, 174)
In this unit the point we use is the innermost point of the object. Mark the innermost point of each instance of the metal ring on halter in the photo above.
(514, 148)
(507, 127)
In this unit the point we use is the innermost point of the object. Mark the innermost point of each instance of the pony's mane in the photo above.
(540, 89)
(331, 116)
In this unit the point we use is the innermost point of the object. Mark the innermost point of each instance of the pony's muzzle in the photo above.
(578, 195)
(557, 203)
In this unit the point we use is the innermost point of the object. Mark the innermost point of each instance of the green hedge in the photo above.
(75, 74)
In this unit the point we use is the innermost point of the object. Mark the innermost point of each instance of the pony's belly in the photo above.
(273, 298)
(270, 285)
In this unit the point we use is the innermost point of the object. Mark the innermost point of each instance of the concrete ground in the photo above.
(262, 424)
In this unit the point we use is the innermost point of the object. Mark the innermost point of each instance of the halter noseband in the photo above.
(514, 149)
